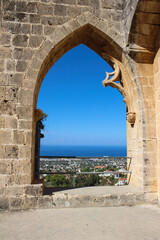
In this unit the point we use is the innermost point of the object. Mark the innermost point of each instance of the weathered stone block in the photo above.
(15, 79)
(5, 52)
(10, 180)
(18, 137)
(2, 190)
(5, 137)
(10, 16)
(4, 203)
(21, 166)
(32, 7)
(20, 40)
(21, 66)
(35, 41)
(1, 66)
(34, 18)
(73, 25)
(2, 93)
(36, 63)
(31, 75)
(12, 94)
(2, 152)
(22, 179)
(18, 53)
(16, 191)
(3, 79)
(5, 39)
(44, 9)
(139, 198)
(21, 6)
(10, 65)
(37, 29)
(11, 152)
(13, 28)
(28, 137)
(83, 2)
(48, 30)
(27, 54)
(2, 121)
(24, 112)
(150, 184)
(151, 197)
(49, 21)
(8, 5)
(5, 167)
(11, 122)
(25, 28)
(23, 124)
(148, 18)
(60, 10)
(126, 199)
(73, 11)
(46, 47)
(26, 97)
(148, 91)
(22, 17)
(45, 202)
(2, 184)
(86, 9)
(33, 190)
(7, 108)
(24, 152)
(16, 203)
(111, 200)
(56, 37)
(59, 200)
(95, 3)
(30, 202)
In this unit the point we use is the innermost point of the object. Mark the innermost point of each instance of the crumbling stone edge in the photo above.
(27, 197)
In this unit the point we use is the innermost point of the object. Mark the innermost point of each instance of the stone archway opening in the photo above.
(82, 113)
(112, 53)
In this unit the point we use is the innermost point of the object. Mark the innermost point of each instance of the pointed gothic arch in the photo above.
(90, 31)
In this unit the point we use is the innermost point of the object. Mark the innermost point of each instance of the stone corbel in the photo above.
(131, 117)
(38, 115)
(114, 80)
(115, 76)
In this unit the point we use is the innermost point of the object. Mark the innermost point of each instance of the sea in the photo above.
(83, 151)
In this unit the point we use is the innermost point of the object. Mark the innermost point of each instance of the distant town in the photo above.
(67, 172)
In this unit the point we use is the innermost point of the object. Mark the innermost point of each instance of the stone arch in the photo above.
(97, 35)
(87, 29)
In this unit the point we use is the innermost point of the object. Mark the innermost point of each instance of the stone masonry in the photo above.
(34, 34)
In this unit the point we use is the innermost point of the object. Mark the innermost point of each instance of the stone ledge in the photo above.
(78, 198)
(99, 197)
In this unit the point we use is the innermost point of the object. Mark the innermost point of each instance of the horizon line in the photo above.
(83, 145)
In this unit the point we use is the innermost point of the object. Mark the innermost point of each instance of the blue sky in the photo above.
(80, 110)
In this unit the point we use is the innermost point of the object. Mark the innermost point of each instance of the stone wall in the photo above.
(34, 34)
(156, 68)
